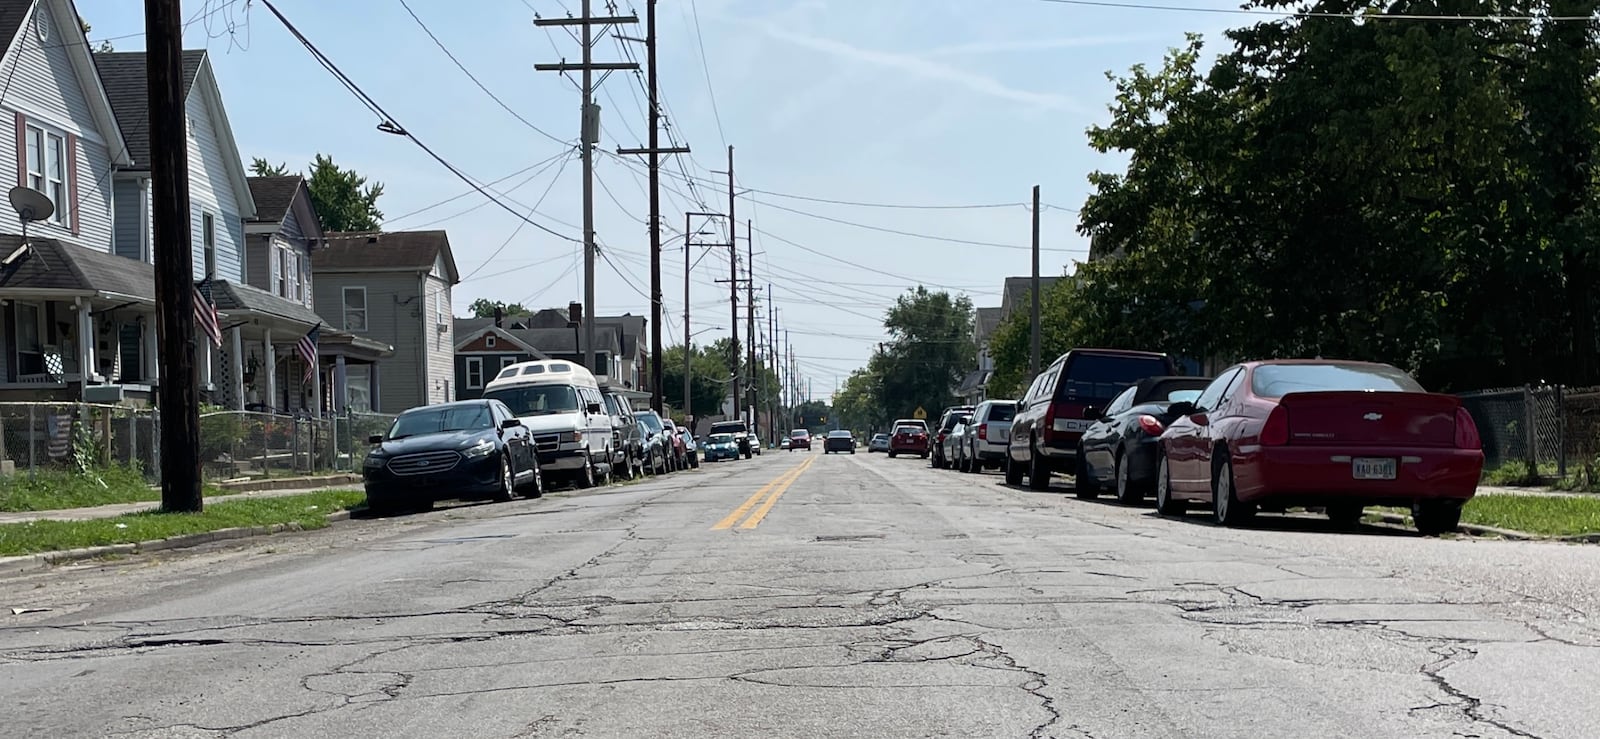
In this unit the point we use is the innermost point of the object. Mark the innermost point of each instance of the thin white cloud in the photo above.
(922, 67)
(1044, 44)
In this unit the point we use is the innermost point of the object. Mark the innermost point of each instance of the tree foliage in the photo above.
(343, 198)
(1415, 192)
(485, 308)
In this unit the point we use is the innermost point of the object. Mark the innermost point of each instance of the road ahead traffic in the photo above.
(807, 595)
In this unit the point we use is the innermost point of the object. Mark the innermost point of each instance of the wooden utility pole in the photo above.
(1033, 352)
(654, 151)
(750, 321)
(733, 290)
(179, 394)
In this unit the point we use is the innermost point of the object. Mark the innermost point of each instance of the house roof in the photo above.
(54, 265)
(1016, 290)
(469, 330)
(399, 251)
(13, 13)
(985, 323)
(565, 340)
(274, 196)
(232, 297)
(630, 327)
(123, 74)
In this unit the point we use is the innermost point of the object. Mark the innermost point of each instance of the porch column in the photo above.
(340, 384)
(271, 367)
(373, 396)
(236, 353)
(152, 363)
(316, 389)
(87, 366)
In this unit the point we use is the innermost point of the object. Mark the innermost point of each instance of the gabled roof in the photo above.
(53, 265)
(392, 251)
(486, 326)
(1016, 291)
(15, 13)
(565, 340)
(985, 323)
(274, 196)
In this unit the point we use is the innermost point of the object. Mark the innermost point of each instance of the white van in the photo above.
(561, 405)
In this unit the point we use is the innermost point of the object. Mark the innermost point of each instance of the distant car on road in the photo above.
(948, 421)
(800, 439)
(691, 448)
(983, 442)
(721, 446)
(948, 445)
(740, 431)
(1119, 449)
(1331, 434)
(839, 441)
(466, 449)
(755, 443)
(879, 443)
(909, 439)
(784, 444)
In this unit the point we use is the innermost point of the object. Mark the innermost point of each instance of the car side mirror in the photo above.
(594, 407)
(1091, 413)
(511, 423)
(375, 439)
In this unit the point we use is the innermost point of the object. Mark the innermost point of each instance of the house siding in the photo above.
(128, 240)
(394, 316)
(257, 268)
(211, 190)
(492, 363)
(441, 344)
(44, 87)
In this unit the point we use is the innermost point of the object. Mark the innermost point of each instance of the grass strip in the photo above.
(310, 511)
(53, 490)
(1535, 514)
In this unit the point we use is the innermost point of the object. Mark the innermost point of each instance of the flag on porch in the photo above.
(205, 312)
(307, 349)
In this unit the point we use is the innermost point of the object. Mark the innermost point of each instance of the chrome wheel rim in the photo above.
(1224, 494)
(1122, 480)
(508, 483)
(1163, 488)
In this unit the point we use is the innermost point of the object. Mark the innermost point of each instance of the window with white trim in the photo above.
(355, 309)
(282, 258)
(488, 341)
(440, 310)
(507, 361)
(474, 372)
(208, 239)
(47, 169)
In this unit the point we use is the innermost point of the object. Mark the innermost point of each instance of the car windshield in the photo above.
(1278, 380)
(441, 421)
(909, 430)
(838, 434)
(880, 436)
(1099, 377)
(537, 400)
(722, 438)
(651, 422)
(1183, 396)
(799, 434)
(955, 420)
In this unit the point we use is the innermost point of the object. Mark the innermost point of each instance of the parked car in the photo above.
(1333, 434)
(627, 448)
(784, 443)
(755, 443)
(949, 449)
(740, 431)
(983, 443)
(678, 452)
(839, 441)
(657, 450)
(800, 439)
(878, 443)
(720, 447)
(691, 448)
(1050, 417)
(466, 449)
(909, 439)
(1119, 448)
(560, 404)
(947, 423)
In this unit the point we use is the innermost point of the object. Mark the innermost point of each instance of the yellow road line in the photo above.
(755, 518)
(749, 503)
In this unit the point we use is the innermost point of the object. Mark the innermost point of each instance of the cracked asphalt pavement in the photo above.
(876, 597)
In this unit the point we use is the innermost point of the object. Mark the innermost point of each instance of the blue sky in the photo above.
(927, 102)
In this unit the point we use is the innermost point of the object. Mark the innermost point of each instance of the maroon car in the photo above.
(909, 438)
(799, 439)
(1331, 434)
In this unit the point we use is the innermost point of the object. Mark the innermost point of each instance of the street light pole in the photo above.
(688, 344)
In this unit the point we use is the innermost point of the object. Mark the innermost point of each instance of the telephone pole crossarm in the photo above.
(586, 20)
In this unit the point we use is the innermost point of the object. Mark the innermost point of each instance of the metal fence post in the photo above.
(33, 417)
(1530, 434)
(1561, 431)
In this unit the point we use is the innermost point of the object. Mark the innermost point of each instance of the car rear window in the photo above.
(1099, 377)
(1001, 413)
(1172, 391)
(1278, 380)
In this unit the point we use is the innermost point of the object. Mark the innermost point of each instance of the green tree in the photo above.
(485, 308)
(343, 198)
(708, 385)
(930, 348)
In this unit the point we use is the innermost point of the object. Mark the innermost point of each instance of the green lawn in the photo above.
(309, 511)
(1544, 515)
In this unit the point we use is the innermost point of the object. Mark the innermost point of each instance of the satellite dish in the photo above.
(30, 204)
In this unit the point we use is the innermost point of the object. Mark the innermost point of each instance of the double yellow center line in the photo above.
(772, 490)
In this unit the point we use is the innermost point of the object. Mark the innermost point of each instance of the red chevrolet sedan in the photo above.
(1335, 434)
(909, 438)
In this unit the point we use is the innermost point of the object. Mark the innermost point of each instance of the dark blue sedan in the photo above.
(469, 449)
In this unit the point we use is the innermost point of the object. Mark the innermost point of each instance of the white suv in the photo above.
(983, 446)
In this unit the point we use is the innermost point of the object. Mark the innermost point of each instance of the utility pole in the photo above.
(733, 288)
(750, 311)
(589, 138)
(1033, 355)
(772, 361)
(179, 393)
(688, 339)
(654, 150)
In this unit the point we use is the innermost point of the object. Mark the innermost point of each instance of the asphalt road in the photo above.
(817, 596)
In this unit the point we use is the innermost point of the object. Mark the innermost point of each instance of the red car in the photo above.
(909, 439)
(799, 439)
(1339, 435)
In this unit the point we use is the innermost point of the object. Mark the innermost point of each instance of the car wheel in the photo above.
(1038, 468)
(1127, 494)
(1084, 485)
(1435, 517)
(892, 453)
(508, 481)
(1013, 470)
(1345, 514)
(1226, 507)
(1166, 505)
(538, 481)
(586, 474)
(605, 479)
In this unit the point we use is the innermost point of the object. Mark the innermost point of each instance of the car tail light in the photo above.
(1150, 425)
(983, 431)
(1276, 430)
(1467, 431)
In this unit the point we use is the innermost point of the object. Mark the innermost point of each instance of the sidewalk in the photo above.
(119, 509)
(1538, 492)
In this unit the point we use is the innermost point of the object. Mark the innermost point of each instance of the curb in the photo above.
(289, 483)
(1476, 530)
(45, 560)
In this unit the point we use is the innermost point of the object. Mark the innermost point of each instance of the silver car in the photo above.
(983, 441)
(950, 448)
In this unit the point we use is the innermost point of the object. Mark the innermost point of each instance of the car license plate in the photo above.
(1373, 468)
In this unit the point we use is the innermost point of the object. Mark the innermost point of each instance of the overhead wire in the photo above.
(1318, 14)
(519, 185)
(447, 201)
(531, 209)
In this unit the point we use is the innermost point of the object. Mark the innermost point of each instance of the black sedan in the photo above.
(468, 449)
(1119, 448)
(839, 441)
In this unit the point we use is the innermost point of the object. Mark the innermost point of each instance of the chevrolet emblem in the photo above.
(1373, 416)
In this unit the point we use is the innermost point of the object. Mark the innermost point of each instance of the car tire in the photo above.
(1127, 492)
(1167, 505)
(1038, 469)
(585, 476)
(1344, 514)
(892, 453)
(1226, 508)
(1013, 470)
(1435, 517)
(508, 481)
(1084, 486)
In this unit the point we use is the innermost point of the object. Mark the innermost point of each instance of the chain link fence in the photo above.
(75, 437)
(1551, 431)
(239, 444)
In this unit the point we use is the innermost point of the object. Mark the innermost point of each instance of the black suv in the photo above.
(740, 431)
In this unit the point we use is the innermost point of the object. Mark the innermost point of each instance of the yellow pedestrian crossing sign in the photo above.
(920, 413)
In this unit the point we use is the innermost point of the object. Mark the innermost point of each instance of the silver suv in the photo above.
(983, 444)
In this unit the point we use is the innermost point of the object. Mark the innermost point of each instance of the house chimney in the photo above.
(499, 317)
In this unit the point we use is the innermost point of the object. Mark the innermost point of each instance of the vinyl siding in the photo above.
(491, 369)
(211, 191)
(441, 345)
(257, 270)
(291, 228)
(129, 236)
(394, 317)
(44, 87)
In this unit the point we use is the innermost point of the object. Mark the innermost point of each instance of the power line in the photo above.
(1319, 14)
(911, 234)
(520, 224)
(706, 66)
(530, 178)
(389, 124)
(447, 201)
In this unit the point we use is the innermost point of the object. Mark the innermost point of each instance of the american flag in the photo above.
(306, 347)
(205, 312)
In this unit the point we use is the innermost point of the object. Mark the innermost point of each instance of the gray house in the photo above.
(394, 289)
